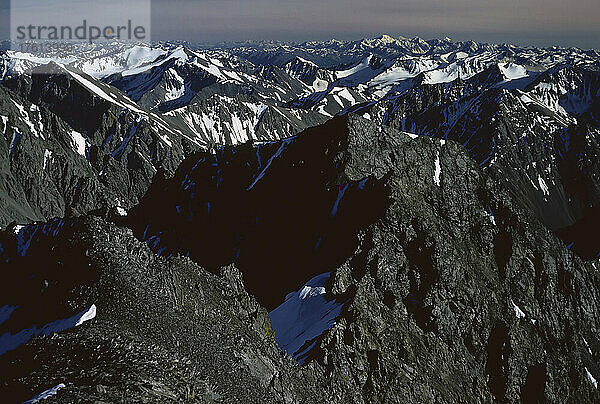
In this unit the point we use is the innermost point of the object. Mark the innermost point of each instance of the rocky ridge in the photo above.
(453, 292)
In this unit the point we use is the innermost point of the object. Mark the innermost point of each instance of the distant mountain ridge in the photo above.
(203, 97)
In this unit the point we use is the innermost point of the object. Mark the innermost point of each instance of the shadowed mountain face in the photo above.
(409, 220)
(433, 261)
(530, 114)
(290, 201)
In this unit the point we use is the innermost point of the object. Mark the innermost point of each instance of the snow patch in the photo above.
(345, 94)
(512, 71)
(282, 147)
(47, 157)
(491, 215)
(438, 170)
(175, 87)
(87, 315)
(309, 291)
(142, 61)
(46, 394)
(16, 138)
(587, 346)
(440, 76)
(304, 316)
(591, 378)
(319, 85)
(518, 312)
(342, 190)
(9, 341)
(361, 66)
(79, 142)
(543, 186)
(5, 312)
(23, 242)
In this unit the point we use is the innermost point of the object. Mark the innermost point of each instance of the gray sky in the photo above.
(536, 22)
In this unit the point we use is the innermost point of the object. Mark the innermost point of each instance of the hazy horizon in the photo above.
(521, 22)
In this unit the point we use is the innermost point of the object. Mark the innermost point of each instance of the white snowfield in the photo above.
(438, 170)
(512, 71)
(591, 378)
(52, 391)
(518, 312)
(10, 341)
(353, 70)
(102, 65)
(304, 316)
(79, 143)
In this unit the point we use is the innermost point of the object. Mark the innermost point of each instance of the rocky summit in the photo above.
(388, 220)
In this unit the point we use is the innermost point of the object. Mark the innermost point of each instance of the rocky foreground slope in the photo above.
(451, 291)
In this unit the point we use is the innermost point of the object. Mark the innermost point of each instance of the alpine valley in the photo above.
(388, 220)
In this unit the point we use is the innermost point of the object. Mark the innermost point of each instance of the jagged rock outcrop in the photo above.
(453, 293)
(541, 130)
(45, 169)
(163, 331)
(498, 308)
(272, 206)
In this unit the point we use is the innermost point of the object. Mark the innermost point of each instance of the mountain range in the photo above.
(382, 220)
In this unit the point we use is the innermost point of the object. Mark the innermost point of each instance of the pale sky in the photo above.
(535, 22)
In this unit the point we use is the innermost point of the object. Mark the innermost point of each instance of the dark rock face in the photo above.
(150, 87)
(91, 153)
(165, 330)
(307, 71)
(475, 330)
(444, 302)
(95, 148)
(289, 201)
(531, 139)
(42, 174)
